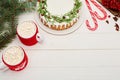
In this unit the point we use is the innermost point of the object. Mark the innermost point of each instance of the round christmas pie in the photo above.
(59, 15)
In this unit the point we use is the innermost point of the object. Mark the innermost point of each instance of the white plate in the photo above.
(62, 32)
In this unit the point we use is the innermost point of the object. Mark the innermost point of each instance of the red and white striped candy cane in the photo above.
(101, 9)
(93, 17)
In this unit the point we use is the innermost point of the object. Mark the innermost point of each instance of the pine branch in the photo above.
(9, 10)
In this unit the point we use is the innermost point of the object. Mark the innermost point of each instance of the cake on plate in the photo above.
(112, 5)
(59, 15)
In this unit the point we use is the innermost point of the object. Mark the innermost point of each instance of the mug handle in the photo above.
(3, 66)
(39, 38)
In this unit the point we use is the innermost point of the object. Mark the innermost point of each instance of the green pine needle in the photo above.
(9, 10)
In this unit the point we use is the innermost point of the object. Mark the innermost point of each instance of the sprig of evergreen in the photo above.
(9, 10)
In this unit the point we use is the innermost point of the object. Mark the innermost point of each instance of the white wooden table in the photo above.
(82, 55)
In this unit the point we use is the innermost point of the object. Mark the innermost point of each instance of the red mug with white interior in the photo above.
(14, 58)
(28, 33)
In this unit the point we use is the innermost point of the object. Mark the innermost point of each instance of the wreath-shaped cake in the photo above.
(62, 21)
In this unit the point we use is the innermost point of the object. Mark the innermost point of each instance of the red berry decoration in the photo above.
(112, 4)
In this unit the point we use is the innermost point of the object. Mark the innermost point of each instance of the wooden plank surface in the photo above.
(82, 55)
(69, 65)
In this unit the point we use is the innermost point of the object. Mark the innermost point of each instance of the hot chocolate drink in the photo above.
(26, 29)
(13, 55)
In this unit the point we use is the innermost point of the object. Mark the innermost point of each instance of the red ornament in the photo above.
(112, 4)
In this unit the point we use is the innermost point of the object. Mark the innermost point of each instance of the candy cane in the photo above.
(93, 17)
(101, 9)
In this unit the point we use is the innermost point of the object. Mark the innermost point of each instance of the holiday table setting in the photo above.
(82, 44)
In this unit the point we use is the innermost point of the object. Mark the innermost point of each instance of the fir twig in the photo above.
(9, 10)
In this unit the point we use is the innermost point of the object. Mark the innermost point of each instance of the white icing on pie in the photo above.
(59, 7)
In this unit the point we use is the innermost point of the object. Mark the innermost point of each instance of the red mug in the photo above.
(28, 33)
(14, 58)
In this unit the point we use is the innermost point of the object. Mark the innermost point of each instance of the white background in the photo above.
(82, 55)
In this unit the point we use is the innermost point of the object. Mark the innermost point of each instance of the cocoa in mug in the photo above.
(28, 33)
(14, 58)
